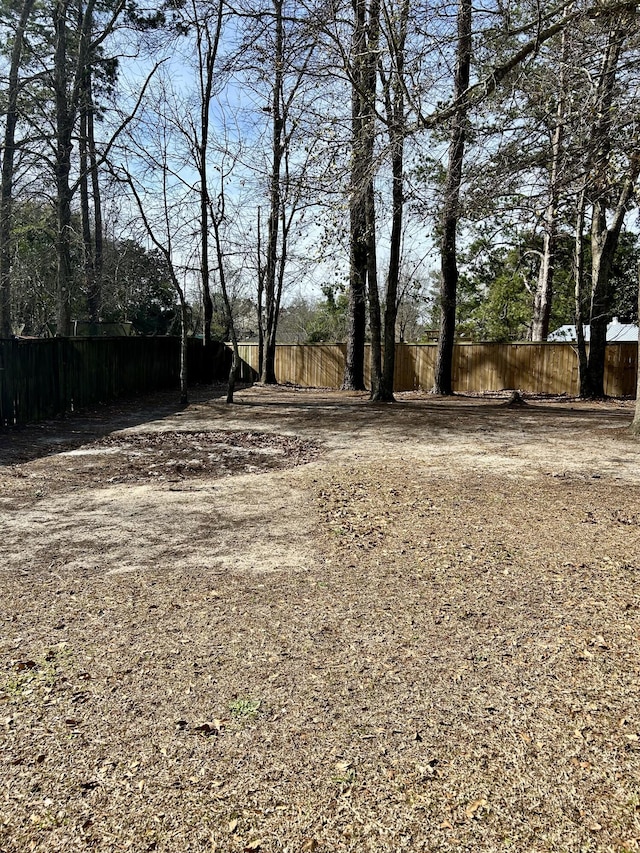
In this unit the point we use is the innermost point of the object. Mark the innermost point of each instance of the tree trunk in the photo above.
(268, 374)
(259, 302)
(375, 324)
(184, 341)
(66, 106)
(353, 379)
(395, 112)
(635, 426)
(370, 77)
(95, 296)
(8, 156)
(235, 361)
(578, 277)
(604, 239)
(85, 218)
(393, 277)
(544, 289)
(449, 268)
(207, 54)
(64, 128)
(603, 245)
(604, 242)
(207, 301)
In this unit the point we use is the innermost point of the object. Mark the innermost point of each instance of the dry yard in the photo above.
(308, 623)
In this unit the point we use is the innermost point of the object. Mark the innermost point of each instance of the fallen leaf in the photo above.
(207, 729)
(473, 807)
(309, 845)
(233, 825)
(21, 665)
(252, 845)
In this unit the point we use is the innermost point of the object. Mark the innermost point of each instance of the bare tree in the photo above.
(8, 155)
(635, 426)
(217, 216)
(450, 213)
(361, 70)
(207, 24)
(544, 287)
(160, 234)
(605, 193)
(291, 48)
(393, 85)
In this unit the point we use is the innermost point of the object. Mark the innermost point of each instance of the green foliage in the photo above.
(624, 278)
(245, 709)
(137, 288)
(497, 285)
(307, 322)
(494, 302)
(244, 318)
(33, 268)
(329, 320)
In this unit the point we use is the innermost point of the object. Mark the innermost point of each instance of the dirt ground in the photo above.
(309, 623)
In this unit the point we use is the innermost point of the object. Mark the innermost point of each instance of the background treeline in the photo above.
(372, 170)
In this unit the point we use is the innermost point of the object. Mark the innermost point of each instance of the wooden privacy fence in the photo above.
(540, 368)
(45, 377)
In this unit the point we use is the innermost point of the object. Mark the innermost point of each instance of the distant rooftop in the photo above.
(617, 332)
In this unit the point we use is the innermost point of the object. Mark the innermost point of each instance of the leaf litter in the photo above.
(449, 659)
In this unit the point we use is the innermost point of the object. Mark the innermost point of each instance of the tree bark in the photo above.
(449, 268)
(544, 289)
(578, 277)
(66, 106)
(64, 128)
(635, 426)
(95, 296)
(375, 323)
(235, 360)
(353, 379)
(93, 310)
(268, 374)
(207, 45)
(395, 114)
(8, 157)
(604, 239)
(370, 76)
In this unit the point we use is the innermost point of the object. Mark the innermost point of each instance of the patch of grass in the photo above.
(245, 709)
(35, 676)
(345, 777)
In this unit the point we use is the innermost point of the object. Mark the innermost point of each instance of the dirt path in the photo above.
(309, 623)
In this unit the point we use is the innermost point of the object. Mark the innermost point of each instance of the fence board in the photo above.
(536, 368)
(45, 377)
